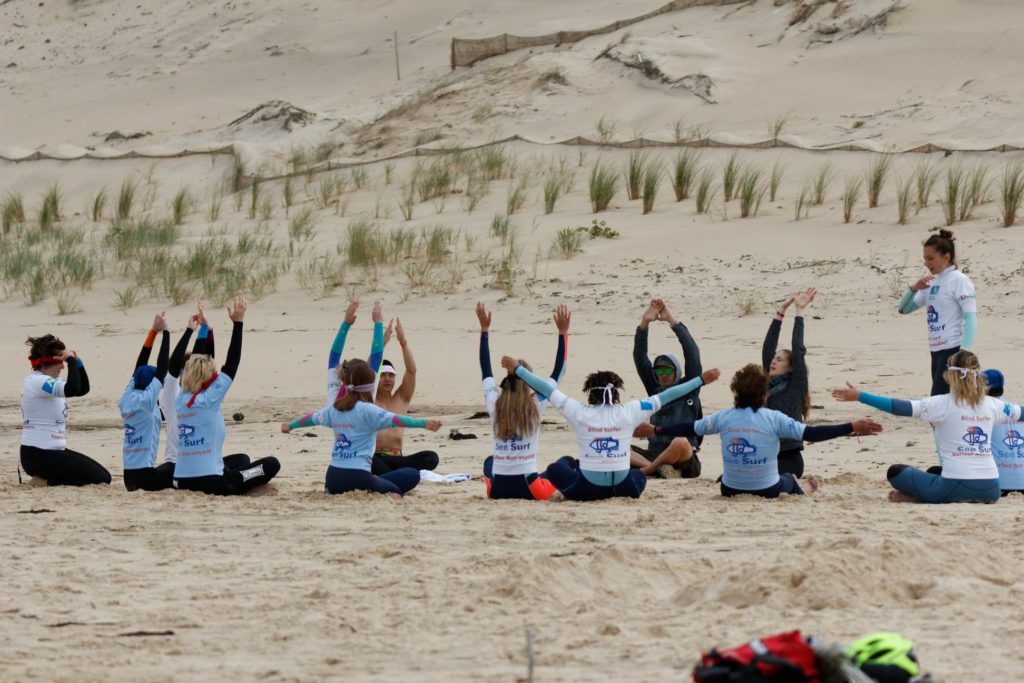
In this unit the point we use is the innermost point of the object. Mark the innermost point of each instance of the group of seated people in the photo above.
(762, 435)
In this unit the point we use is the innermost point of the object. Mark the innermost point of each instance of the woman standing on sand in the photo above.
(788, 390)
(604, 428)
(511, 470)
(200, 465)
(750, 435)
(952, 307)
(963, 422)
(141, 416)
(44, 410)
(356, 421)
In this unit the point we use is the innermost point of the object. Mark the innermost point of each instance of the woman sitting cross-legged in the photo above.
(750, 435)
(356, 421)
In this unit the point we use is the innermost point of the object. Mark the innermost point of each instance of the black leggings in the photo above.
(939, 360)
(384, 463)
(787, 484)
(63, 467)
(240, 476)
(344, 480)
(150, 478)
(792, 462)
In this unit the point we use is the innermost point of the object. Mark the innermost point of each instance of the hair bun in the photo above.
(947, 234)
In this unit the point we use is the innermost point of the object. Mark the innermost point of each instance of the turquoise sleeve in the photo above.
(338, 347)
(680, 390)
(970, 330)
(377, 348)
(406, 421)
(544, 387)
(893, 406)
(304, 421)
(907, 303)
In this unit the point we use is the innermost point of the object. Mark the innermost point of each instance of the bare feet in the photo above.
(38, 481)
(810, 484)
(897, 497)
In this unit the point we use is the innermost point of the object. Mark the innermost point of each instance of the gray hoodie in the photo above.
(685, 409)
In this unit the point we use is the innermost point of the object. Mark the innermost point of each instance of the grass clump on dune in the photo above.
(876, 176)
(1011, 193)
(650, 182)
(604, 183)
(850, 196)
(705, 191)
(953, 189)
(821, 184)
(568, 242)
(635, 167)
(751, 190)
(685, 169)
(126, 199)
(904, 200)
(730, 176)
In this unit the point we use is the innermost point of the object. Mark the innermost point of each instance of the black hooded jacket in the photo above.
(685, 409)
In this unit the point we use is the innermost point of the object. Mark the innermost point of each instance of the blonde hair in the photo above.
(967, 386)
(198, 369)
(515, 413)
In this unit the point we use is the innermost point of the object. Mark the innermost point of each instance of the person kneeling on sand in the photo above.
(750, 435)
(388, 453)
(667, 371)
(963, 422)
(603, 428)
(356, 421)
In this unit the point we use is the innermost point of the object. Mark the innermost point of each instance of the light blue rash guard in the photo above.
(750, 444)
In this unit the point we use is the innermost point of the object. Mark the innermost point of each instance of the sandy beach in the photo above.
(103, 584)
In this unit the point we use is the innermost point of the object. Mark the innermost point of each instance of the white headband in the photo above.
(963, 371)
(387, 367)
(608, 395)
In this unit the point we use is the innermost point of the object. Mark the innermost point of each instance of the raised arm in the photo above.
(543, 386)
(77, 383)
(178, 356)
(798, 355)
(159, 325)
(163, 357)
(562, 320)
(894, 406)
(408, 386)
(771, 340)
(338, 346)
(204, 337)
(484, 316)
(644, 370)
(691, 352)
(679, 390)
(234, 357)
(376, 357)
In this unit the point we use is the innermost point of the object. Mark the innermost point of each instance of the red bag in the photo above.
(783, 658)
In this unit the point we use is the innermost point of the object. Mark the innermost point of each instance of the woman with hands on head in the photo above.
(788, 388)
(750, 435)
(963, 422)
(604, 427)
(200, 465)
(515, 410)
(44, 453)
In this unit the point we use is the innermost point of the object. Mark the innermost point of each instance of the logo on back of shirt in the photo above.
(129, 436)
(185, 434)
(740, 446)
(933, 315)
(975, 436)
(605, 445)
(1014, 439)
(341, 444)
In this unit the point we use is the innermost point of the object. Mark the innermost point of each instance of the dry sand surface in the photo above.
(444, 585)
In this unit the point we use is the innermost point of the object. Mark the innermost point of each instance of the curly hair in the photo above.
(750, 387)
(595, 384)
